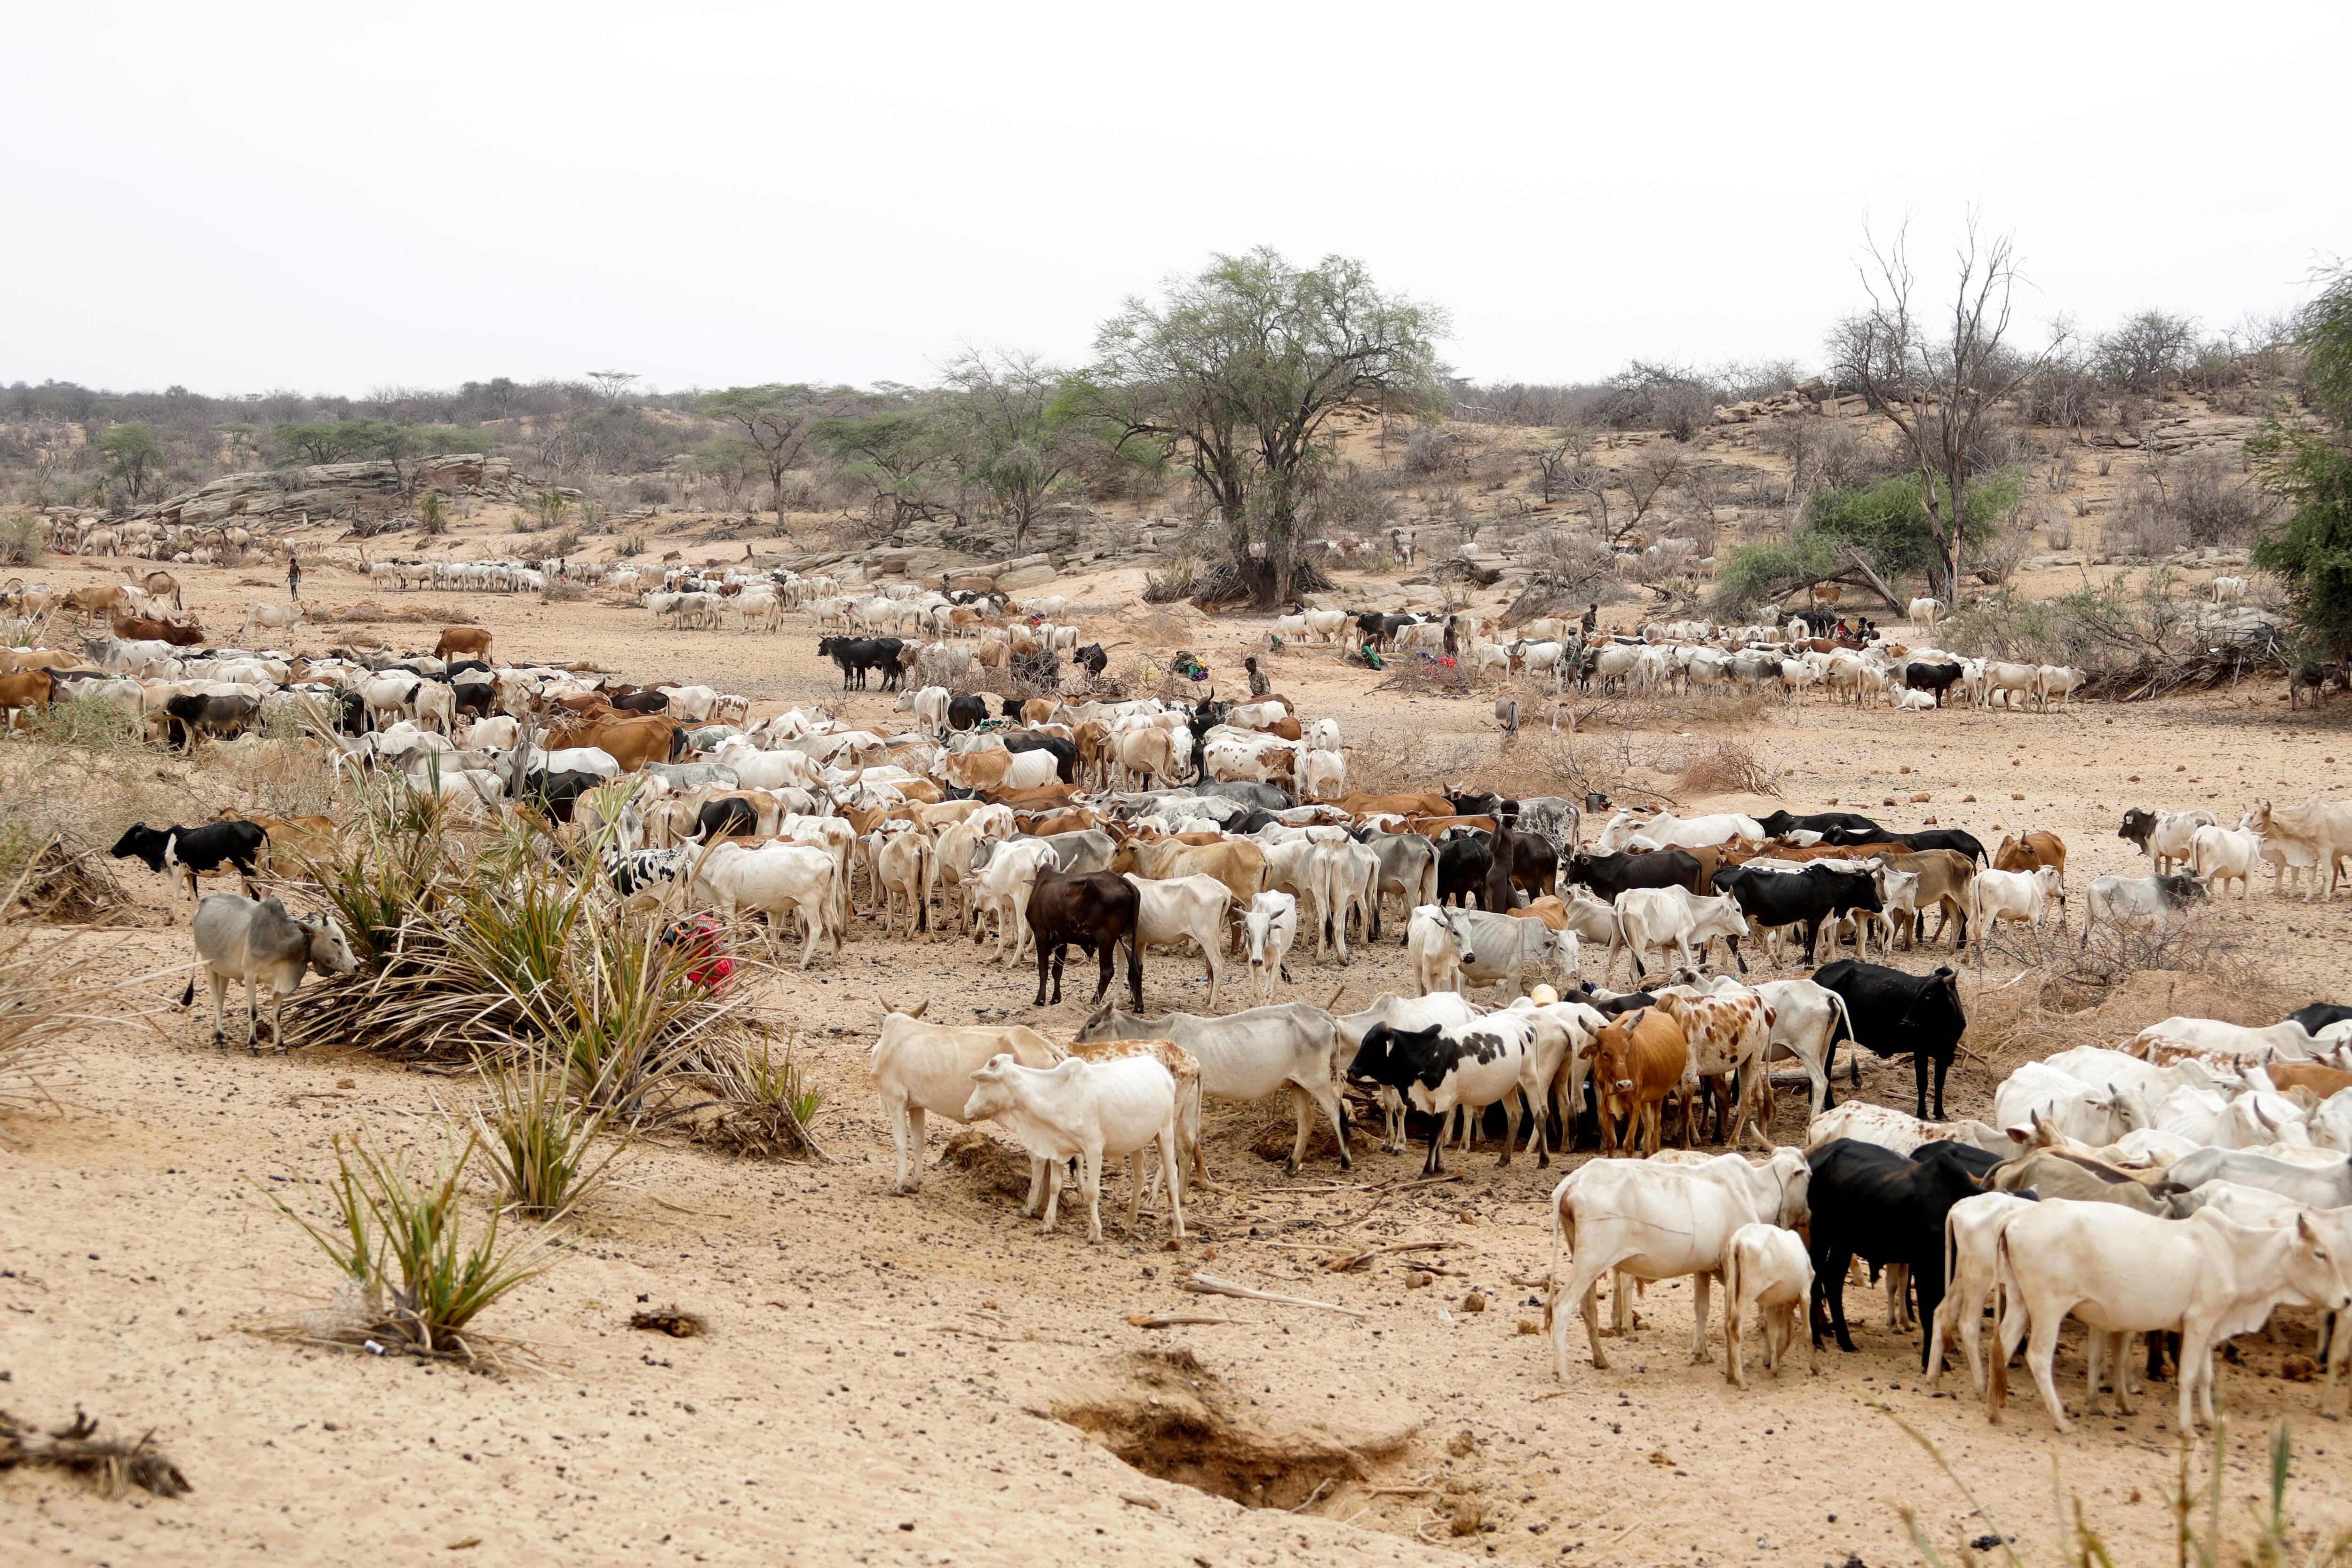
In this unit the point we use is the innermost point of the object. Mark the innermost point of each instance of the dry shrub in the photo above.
(2103, 992)
(1723, 768)
(76, 1448)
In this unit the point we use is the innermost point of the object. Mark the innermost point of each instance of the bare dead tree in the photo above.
(1938, 386)
(1647, 480)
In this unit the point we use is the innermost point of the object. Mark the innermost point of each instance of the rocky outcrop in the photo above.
(353, 492)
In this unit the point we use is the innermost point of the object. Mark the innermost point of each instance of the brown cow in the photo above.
(1432, 827)
(1037, 711)
(1076, 820)
(2323, 1081)
(2037, 849)
(631, 742)
(162, 585)
(106, 600)
(1637, 1061)
(1359, 805)
(310, 837)
(142, 629)
(37, 659)
(1238, 863)
(1548, 909)
(24, 689)
(1944, 878)
(470, 642)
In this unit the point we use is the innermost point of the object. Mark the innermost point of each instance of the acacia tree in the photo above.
(777, 421)
(1938, 384)
(1014, 423)
(1236, 370)
(132, 455)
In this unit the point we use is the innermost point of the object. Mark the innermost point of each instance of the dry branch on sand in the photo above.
(77, 1448)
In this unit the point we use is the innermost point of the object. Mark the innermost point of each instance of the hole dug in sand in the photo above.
(1168, 1415)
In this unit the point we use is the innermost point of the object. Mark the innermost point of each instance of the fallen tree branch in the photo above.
(1357, 1260)
(1185, 1320)
(1203, 1285)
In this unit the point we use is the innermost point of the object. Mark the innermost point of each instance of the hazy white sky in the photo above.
(239, 197)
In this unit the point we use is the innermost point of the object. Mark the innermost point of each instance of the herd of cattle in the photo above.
(2186, 1184)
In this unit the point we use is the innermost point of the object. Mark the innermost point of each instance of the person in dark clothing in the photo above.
(1260, 684)
(293, 574)
(1591, 619)
(1449, 648)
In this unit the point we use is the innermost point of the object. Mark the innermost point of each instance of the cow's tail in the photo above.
(1841, 1028)
(188, 997)
(2005, 1291)
(1559, 1248)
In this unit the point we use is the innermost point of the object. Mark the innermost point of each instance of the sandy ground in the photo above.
(887, 1379)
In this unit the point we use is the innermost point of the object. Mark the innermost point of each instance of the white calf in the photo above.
(1769, 1276)
(1086, 1110)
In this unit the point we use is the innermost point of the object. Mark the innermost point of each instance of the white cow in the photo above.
(2122, 1272)
(1926, 611)
(1669, 831)
(1901, 1132)
(774, 879)
(1656, 918)
(1085, 1111)
(2010, 897)
(2137, 903)
(1972, 1231)
(1182, 909)
(922, 1068)
(1268, 931)
(1768, 1276)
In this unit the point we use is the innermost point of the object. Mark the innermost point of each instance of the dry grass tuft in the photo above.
(674, 1322)
(767, 1101)
(77, 1448)
(1723, 768)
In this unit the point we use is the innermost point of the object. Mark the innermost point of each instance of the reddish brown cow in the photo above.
(2037, 849)
(1637, 1061)
(463, 642)
(1360, 805)
(24, 689)
(631, 742)
(141, 628)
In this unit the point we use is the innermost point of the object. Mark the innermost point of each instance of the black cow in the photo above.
(1400, 1059)
(1807, 897)
(857, 655)
(555, 794)
(1065, 752)
(1254, 821)
(1892, 1012)
(1954, 839)
(1094, 912)
(1206, 714)
(2137, 827)
(1485, 803)
(1609, 875)
(193, 714)
(1462, 863)
(1379, 629)
(965, 711)
(1042, 669)
(723, 818)
(1875, 1204)
(1092, 659)
(1935, 678)
(466, 667)
(645, 701)
(476, 699)
(1009, 707)
(185, 852)
(2318, 1016)
(350, 716)
(1518, 861)
(1780, 824)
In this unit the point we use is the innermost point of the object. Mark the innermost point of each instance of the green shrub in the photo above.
(541, 1139)
(23, 539)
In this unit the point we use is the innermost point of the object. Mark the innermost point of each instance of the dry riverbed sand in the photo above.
(928, 1379)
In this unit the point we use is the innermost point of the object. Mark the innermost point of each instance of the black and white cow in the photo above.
(1471, 1065)
(183, 854)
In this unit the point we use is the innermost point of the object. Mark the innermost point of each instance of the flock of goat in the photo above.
(2189, 1181)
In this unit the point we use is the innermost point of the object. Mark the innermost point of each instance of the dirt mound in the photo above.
(995, 1167)
(1167, 1414)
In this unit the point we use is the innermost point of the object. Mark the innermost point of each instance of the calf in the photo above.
(1086, 1110)
(185, 853)
(1996, 897)
(922, 1068)
(1268, 928)
(1767, 1277)
(239, 939)
(2209, 1277)
(1894, 1013)
(1870, 1203)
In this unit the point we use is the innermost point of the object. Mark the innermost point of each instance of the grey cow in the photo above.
(1247, 1056)
(239, 939)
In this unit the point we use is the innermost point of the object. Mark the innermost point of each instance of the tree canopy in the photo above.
(1235, 372)
(132, 455)
(2311, 470)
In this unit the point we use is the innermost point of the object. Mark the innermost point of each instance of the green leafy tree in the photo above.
(907, 458)
(1235, 371)
(132, 455)
(2310, 470)
(777, 421)
(1016, 422)
(729, 462)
